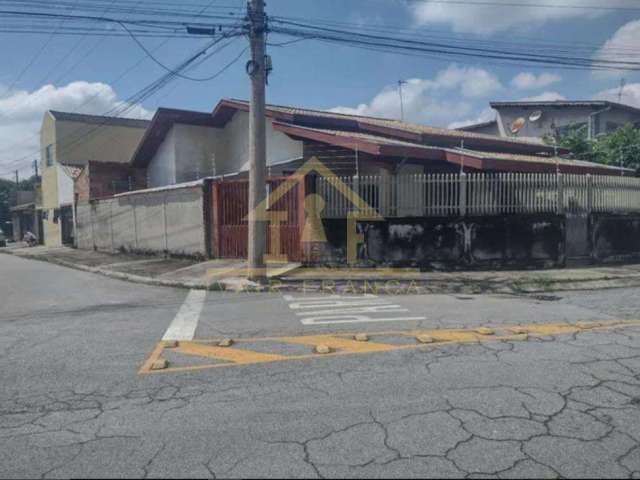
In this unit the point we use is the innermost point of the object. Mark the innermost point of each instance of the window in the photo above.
(48, 152)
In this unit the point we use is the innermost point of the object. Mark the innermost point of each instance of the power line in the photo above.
(34, 57)
(139, 97)
(162, 65)
(402, 44)
(526, 5)
(124, 73)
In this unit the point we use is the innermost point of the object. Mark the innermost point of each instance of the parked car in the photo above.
(3, 239)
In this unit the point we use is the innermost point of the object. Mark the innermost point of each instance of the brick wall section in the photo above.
(81, 186)
(102, 179)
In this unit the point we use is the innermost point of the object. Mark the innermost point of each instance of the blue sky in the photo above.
(440, 92)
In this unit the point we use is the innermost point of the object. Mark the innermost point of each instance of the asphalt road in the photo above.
(72, 403)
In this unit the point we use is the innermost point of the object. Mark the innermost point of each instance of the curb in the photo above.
(518, 286)
(118, 275)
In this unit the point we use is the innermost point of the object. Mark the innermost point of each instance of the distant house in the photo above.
(72, 146)
(23, 213)
(181, 146)
(541, 119)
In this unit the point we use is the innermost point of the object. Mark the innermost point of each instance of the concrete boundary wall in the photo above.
(154, 221)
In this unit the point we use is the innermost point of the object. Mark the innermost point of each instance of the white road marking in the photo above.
(335, 309)
(326, 320)
(183, 326)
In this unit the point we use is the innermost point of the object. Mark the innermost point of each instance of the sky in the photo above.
(93, 74)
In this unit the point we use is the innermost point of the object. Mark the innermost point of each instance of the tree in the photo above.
(620, 148)
(8, 191)
(576, 141)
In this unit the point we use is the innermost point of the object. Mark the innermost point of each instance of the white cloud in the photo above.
(21, 115)
(630, 95)
(488, 19)
(473, 82)
(486, 115)
(544, 97)
(531, 81)
(426, 100)
(621, 47)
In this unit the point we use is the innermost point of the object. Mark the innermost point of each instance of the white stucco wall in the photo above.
(233, 154)
(65, 187)
(162, 168)
(195, 151)
(147, 221)
(188, 151)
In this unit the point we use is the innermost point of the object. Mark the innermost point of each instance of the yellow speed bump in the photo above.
(322, 349)
(485, 331)
(159, 364)
(425, 339)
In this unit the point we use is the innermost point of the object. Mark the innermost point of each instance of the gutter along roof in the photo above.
(594, 104)
(487, 161)
(99, 119)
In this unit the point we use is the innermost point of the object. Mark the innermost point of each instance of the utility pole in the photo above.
(35, 168)
(17, 179)
(400, 83)
(623, 82)
(257, 140)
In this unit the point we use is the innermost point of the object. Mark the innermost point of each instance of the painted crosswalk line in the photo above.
(343, 309)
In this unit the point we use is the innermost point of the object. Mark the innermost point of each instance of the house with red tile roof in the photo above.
(182, 145)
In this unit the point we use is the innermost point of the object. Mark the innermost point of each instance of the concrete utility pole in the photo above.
(257, 140)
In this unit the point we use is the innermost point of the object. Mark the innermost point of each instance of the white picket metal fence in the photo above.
(479, 194)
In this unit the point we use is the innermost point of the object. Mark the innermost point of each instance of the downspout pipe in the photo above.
(592, 116)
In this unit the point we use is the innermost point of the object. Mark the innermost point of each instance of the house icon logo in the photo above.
(312, 236)
(313, 233)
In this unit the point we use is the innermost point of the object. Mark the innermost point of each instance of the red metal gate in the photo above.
(230, 210)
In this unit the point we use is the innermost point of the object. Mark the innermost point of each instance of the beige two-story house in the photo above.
(69, 142)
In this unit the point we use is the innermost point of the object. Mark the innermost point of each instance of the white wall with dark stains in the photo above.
(189, 152)
(233, 153)
(162, 168)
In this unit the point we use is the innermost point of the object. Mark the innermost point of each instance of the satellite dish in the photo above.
(517, 125)
(535, 116)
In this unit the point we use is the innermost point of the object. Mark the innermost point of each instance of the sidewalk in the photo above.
(230, 274)
(152, 270)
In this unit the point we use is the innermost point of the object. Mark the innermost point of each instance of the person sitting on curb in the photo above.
(30, 238)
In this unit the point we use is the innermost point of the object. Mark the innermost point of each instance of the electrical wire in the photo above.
(401, 44)
(138, 97)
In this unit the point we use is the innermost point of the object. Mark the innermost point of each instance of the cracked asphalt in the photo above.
(72, 405)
